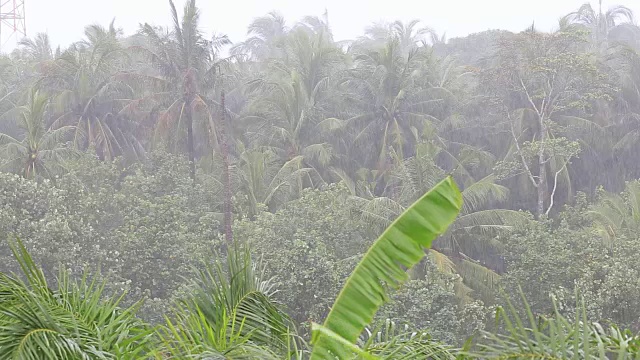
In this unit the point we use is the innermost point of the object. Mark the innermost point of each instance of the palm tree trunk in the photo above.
(190, 146)
(27, 170)
(228, 230)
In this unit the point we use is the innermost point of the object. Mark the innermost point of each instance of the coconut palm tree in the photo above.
(390, 95)
(624, 125)
(266, 36)
(38, 49)
(7, 83)
(409, 34)
(88, 95)
(601, 25)
(617, 214)
(181, 66)
(469, 247)
(36, 150)
(264, 180)
(288, 116)
(291, 102)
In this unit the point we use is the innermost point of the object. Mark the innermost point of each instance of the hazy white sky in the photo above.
(64, 20)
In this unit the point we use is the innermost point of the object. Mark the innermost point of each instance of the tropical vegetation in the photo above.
(173, 194)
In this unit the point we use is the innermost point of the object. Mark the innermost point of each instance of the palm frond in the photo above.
(389, 341)
(73, 321)
(556, 337)
(482, 193)
(230, 310)
(489, 221)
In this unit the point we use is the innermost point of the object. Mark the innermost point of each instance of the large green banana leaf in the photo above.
(400, 247)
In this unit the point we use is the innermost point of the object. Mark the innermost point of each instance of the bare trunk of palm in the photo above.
(31, 165)
(228, 230)
(190, 146)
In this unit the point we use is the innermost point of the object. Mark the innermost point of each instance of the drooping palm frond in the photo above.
(37, 48)
(489, 221)
(189, 335)
(600, 24)
(410, 35)
(39, 151)
(290, 102)
(400, 247)
(536, 337)
(392, 96)
(469, 245)
(230, 311)
(477, 278)
(87, 93)
(73, 321)
(390, 341)
(614, 215)
(266, 38)
(482, 193)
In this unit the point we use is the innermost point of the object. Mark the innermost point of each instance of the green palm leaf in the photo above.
(400, 247)
(391, 341)
(75, 320)
(554, 337)
(230, 312)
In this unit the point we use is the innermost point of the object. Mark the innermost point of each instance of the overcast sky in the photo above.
(64, 20)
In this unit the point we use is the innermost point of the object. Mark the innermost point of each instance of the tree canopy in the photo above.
(214, 197)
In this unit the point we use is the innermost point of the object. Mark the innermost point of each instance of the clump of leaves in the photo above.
(76, 320)
(556, 337)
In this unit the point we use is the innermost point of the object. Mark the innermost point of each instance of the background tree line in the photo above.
(125, 153)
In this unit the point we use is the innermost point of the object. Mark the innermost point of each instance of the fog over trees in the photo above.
(170, 194)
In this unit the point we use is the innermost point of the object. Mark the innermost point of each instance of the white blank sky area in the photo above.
(64, 20)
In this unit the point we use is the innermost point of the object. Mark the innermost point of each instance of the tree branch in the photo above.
(533, 104)
(524, 161)
(555, 186)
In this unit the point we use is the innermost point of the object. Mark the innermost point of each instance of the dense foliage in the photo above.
(143, 159)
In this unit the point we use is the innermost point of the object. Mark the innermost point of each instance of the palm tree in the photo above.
(183, 67)
(395, 96)
(74, 320)
(291, 101)
(410, 36)
(288, 118)
(468, 248)
(37, 49)
(40, 151)
(617, 214)
(14, 80)
(555, 337)
(7, 83)
(230, 312)
(88, 95)
(622, 127)
(266, 35)
(264, 180)
(391, 341)
(599, 24)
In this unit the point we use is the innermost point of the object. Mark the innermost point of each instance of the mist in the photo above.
(320, 181)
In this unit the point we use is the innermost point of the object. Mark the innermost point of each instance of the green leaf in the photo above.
(400, 247)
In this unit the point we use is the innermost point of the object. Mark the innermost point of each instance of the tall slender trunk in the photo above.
(190, 146)
(30, 167)
(542, 169)
(228, 230)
